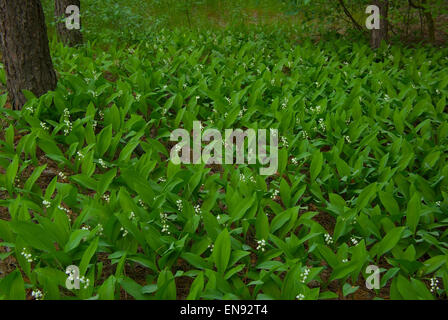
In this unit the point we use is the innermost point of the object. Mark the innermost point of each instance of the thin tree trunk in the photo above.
(348, 14)
(26, 53)
(378, 35)
(69, 37)
(431, 28)
(408, 19)
(428, 17)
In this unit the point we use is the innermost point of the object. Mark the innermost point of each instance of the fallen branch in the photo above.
(348, 14)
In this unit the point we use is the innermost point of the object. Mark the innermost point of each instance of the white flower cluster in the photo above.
(102, 163)
(261, 245)
(284, 104)
(305, 274)
(165, 226)
(197, 209)
(294, 161)
(125, 232)
(242, 111)
(132, 216)
(85, 281)
(300, 296)
(46, 203)
(316, 110)
(438, 203)
(85, 227)
(80, 155)
(284, 142)
(434, 284)
(305, 135)
(347, 138)
(142, 204)
(67, 122)
(106, 198)
(211, 246)
(328, 239)
(71, 275)
(44, 126)
(30, 109)
(242, 177)
(93, 93)
(354, 241)
(67, 211)
(37, 294)
(179, 204)
(62, 175)
(275, 194)
(28, 256)
(322, 125)
(100, 229)
(344, 260)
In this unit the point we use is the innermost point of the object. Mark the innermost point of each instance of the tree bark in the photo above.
(428, 16)
(25, 49)
(383, 33)
(348, 14)
(69, 37)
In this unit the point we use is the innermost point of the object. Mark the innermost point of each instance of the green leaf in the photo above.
(107, 289)
(196, 287)
(133, 288)
(87, 256)
(390, 240)
(103, 140)
(13, 286)
(166, 287)
(349, 289)
(105, 181)
(316, 164)
(413, 212)
(388, 201)
(222, 250)
(11, 173)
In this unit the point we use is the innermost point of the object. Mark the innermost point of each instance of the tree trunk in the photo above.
(383, 33)
(26, 53)
(426, 10)
(69, 37)
(429, 22)
(431, 28)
